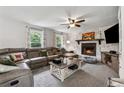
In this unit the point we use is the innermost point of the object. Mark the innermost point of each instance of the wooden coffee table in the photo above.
(61, 71)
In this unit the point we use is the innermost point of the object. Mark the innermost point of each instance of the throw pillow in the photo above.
(43, 53)
(55, 51)
(63, 50)
(7, 61)
(17, 56)
(49, 53)
(5, 68)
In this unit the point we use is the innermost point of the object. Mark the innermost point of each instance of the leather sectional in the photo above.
(32, 57)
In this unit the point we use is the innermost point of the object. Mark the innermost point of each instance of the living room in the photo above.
(69, 33)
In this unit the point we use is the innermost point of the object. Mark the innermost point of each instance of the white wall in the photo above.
(12, 33)
(121, 47)
(108, 47)
(49, 35)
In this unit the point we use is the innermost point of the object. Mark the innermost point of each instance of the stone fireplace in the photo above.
(88, 49)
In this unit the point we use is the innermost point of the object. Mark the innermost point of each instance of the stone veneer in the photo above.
(75, 35)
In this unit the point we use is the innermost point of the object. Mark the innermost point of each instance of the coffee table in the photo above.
(70, 55)
(62, 71)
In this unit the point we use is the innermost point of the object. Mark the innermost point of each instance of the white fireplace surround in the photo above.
(98, 50)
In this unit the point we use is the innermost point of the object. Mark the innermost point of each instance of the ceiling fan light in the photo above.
(72, 25)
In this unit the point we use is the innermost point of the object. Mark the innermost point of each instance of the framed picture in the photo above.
(88, 36)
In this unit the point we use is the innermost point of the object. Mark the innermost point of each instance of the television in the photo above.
(112, 34)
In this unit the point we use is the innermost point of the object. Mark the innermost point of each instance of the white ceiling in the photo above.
(53, 16)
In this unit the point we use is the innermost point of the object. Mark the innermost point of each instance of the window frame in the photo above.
(41, 39)
(62, 40)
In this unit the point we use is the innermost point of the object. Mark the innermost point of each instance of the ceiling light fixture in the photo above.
(72, 25)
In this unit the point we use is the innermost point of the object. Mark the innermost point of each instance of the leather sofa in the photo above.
(33, 57)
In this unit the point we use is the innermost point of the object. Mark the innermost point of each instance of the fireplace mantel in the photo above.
(99, 40)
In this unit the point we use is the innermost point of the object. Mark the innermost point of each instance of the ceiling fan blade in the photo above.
(80, 17)
(64, 24)
(77, 25)
(80, 21)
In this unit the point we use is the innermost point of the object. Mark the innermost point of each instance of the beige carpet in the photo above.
(91, 75)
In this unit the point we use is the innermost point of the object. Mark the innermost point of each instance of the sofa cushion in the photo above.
(38, 59)
(38, 62)
(33, 54)
(49, 53)
(7, 61)
(5, 68)
(43, 53)
(52, 57)
(15, 50)
(17, 56)
(54, 51)
(4, 51)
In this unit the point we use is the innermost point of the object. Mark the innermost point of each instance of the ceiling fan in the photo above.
(74, 22)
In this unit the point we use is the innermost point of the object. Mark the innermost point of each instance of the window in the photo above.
(35, 38)
(59, 40)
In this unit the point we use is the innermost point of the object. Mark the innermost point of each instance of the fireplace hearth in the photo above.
(88, 49)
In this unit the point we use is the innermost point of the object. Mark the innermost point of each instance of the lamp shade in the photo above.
(67, 41)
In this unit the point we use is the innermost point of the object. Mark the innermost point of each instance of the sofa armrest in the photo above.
(7, 78)
(23, 66)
